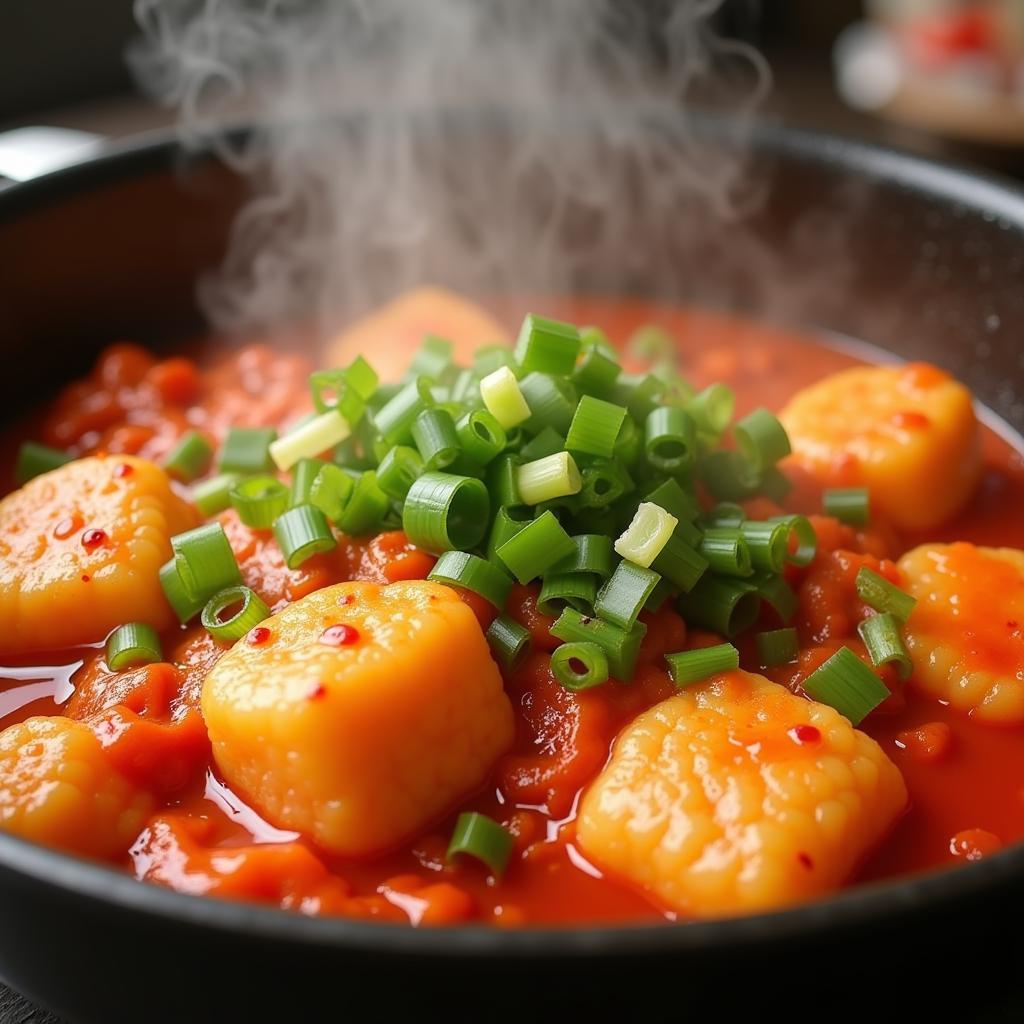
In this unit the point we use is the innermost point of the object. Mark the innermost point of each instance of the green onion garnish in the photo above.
(214, 495)
(331, 490)
(625, 594)
(558, 589)
(482, 437)
(433, 432)
(259, 500)
(548, 442)
(595, 427)
(648, 532)
(883, 639)
(247, 450)
(845, 683)
(505, 527)
(726, 551)
(802, 542)
(878, 593)
(509, 642)
(251, 612)
(35, 459)
(186, 605)
(849, 505)
(478, 836)
(579, 666)
(620, 646)
(366, 508)
(777, 594)
(555, 476)
(549, 346)
(302, 532)
(134, 643)
(444, 512)
(603, 482)
(205, 561)
(680, 563)
(189, 458)
(461, 569)
(597, 371)
(309, 440)
(670, 440)
(762, 438)
(593, 554)
(712, 408)
(433, 358)
(725, 606)
(304, 472)
(689, 667)
(398, 470)
(777, 647)
(395, 418)
(768, 544)
(536, 548)
(503, 398)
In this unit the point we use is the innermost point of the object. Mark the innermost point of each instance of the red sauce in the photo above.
(966, 779)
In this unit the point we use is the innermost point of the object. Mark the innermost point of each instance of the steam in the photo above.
(500, 147)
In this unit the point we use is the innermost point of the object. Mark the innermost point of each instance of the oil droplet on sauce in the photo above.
(92, 539)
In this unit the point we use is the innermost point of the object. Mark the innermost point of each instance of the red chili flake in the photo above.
(318, 691)
(123, 469)
(339, 635)
(804, 734)
(93, 538)
(805, 860)
(86, 577)
(257, 635)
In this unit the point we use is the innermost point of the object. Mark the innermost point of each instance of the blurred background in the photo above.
(939, 77)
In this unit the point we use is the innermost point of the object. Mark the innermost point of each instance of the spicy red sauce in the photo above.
(966, 780)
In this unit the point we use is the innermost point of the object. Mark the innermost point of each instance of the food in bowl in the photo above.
(718, 621)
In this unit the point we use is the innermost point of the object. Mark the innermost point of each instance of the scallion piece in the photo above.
(595, 427)
(552, 402)
(724, 515)
(579, 666)
(501, 481)
(777, 594)
(884, 642)
(777, 647)
(304, 472)
(366, 507)
(802, 543)
(603, 482)
(259, 500)
(509, 642)
(482, 437)
(851, 505)
(597, 372)
(548, 442)
(672, 498)
(647, 534)
(768, 543)
(461, 569)
(689, 667)
(726, 551)
(625, 594)
(679, 562)
(433, 358)
(555, 476)
(189, 458)
(395, 418)
(576, 589)
(535, 548)
(489, 358)
(247, 450)
(629, 443)
(251, 612)
(641, 395)
(301, 533)
(503, 398)
(331, 490)
(670, 440)
(725, 606)
(619, 645)
(845, 683)
(444, 512)
(712, 408)
(310, 440)
(729, 476)
(205, 561)
(398, 470)
(593, 554)
(878, 593)
(186, 606)
(762, 438)
(504, 527)
(35, 459)
(482, 838)
(774, 484)
(214, 495)
(549, 346)
(433, 432)
(134, 643)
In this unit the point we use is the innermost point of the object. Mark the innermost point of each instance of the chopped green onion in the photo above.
(877, 592)
(548, 442)
(252, 612)
(884, 642)
(729, 476)
(482, 437)
(304, 472)
(310, 440)
(724, 515)
(332, 390)
(433, 358)
(640, 395)
(509, 642)
(670, 440)
(549, 346)
(802, 542)
(712, 408)
(366, 507)
(593, 554)
(604, 481)
(214, 495)
(480, 837)
(433, 432)
(558, 589)
(672, 498)
(689, 667)
(777, 594)
(501, 481)
(620, 646)
(134, 643)
(189, 458)
(331, 491)
(851, 505)
(596, 372)
(398, 470)
(490, 358)
(504, 527)
(725, 606)
(768, 543)
(625, 594)
(679, 562)
(775, 484)
(552, 402)
(503, 399)
(726, 551)
(661, 593)
(845, 683)
(35, 459)
(579, 666)
(259, 500)
(302, 532)
(647, 534)
(555, 476)
(762, 438)
(535, 548)
(205, 561)
(444, 512)
(461, 569)
(395, 418)
(186, 606)
(629, 443)
(595, 427)
(248, 450)
(777, 647)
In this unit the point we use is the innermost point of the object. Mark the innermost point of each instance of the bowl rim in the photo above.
(865, 906)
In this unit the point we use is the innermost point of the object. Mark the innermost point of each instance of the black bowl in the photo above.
(923, 260)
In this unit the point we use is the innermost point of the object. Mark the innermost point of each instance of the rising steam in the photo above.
(496, 146)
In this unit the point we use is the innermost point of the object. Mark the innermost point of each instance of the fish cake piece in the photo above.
(58, 788)
(365, 714)
(390, 336)
(736, 796)
(966, 633)
(908, 433)
(80, 552)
